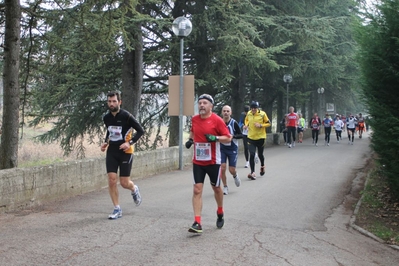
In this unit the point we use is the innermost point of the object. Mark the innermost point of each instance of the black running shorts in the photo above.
(121, 160)
(213, 171)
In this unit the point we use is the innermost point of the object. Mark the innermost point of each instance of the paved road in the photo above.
(297, 214)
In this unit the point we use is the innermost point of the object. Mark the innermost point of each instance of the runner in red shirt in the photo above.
(291, 121)
(314, 124)
(207, 131)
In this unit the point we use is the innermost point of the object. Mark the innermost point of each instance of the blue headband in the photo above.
(207, 97)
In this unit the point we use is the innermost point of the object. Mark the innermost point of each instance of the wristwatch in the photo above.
(131, 142)
(217, 138)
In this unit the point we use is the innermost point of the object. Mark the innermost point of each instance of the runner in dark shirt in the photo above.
(119, 145)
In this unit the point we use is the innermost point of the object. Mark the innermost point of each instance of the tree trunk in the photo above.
(238, 93)
(132, 71)
(10, 126)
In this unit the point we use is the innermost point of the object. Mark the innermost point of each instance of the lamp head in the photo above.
(182, 27)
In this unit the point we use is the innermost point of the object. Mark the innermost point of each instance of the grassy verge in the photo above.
(379, 211)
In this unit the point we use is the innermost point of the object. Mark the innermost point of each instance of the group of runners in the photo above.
(215, 141)
(293, 122)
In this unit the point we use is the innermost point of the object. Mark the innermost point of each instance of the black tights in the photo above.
(315, 135)
(338, 132)
(327, 132)
(252, 146)
(291, 131)
(246, 151)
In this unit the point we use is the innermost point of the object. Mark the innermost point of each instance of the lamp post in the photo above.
(320, 91)
(182, 28)
(287, 79)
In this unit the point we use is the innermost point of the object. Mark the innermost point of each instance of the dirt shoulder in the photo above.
(378, 212)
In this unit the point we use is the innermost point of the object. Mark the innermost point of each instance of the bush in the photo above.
(378, 37)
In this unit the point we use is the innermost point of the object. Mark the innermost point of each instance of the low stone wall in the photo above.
(22, 188)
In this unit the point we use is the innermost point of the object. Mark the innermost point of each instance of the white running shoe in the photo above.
(225, 190)
(293, 144)
(136, 195)
(256, 158)
(247, 164)
(328, 144)
(252, 176)
(237, 181)
(117, 213)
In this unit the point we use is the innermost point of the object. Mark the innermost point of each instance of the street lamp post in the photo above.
(182, 28)
(320, 91)
(287, 79)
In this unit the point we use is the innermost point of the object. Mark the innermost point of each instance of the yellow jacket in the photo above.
(260, 117)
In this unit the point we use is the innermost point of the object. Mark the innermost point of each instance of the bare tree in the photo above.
(10, 126)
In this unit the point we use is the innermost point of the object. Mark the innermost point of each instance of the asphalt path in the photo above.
(298, 213)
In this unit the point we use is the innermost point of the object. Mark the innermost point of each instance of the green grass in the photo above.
(382, 231)
(41, 162)
(379, 212)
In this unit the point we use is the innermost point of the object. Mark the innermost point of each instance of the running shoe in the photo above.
(293, 144)
(237, 181)
(262, 170)
(247, 164)
(225, 190)
(289, 146)
(220, 221)
(328, 144)
(256, 158)
(252, 176)
(195, 228)
(136, 195)
(117, 213)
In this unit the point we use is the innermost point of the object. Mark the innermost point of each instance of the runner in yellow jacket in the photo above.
(256, 122)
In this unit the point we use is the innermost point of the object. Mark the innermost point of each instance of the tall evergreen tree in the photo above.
(10, 125)
(378, 37)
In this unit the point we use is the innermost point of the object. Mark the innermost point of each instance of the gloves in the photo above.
(189, 143)
(210, 137)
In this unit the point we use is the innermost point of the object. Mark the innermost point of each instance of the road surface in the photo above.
(298, 213)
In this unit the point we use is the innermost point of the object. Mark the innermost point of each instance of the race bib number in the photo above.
(115, 133)
(315, 126)
(203, 151)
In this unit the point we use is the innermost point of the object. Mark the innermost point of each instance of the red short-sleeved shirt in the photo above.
(292, 119)
(207, 153)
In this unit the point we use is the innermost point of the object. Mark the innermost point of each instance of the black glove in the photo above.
(189, 143)
(210, 137)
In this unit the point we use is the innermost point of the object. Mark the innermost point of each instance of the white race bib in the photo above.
(203, 151)
(115, 133)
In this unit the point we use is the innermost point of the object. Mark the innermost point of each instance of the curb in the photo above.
(360, 229)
